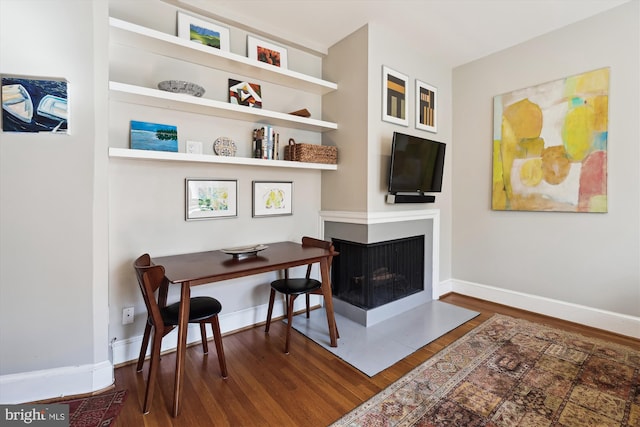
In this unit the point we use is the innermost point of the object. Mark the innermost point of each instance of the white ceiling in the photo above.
(453, 31)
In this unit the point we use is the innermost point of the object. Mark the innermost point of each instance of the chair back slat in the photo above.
(151, 278)
(317, 243)
(141, 264)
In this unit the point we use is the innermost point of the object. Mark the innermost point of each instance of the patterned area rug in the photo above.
(100, 410)
(511, 372)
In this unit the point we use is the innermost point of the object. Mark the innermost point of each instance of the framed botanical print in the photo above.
(272, 198)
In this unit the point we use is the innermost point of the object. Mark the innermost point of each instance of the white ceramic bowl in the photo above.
(181, 86)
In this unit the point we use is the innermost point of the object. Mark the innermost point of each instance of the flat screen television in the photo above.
(416, 165)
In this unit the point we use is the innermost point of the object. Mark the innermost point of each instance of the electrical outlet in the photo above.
(127, 315)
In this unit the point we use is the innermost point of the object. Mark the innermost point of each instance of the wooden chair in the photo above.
(163, 318)
(292, 287)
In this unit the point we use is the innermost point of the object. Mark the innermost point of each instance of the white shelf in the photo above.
(150, 40)
(182, 102)
(204, 158)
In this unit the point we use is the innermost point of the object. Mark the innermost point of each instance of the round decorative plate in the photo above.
(244, 251)
(180, 86)
(224, 146)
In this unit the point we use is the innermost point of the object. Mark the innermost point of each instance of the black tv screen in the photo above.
(416, 164)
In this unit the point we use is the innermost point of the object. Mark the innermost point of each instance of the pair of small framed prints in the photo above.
(395, 101)
(218, 198)
(217, 36)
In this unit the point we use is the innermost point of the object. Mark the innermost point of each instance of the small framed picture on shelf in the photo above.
(272, 198)
(203, 32)
(426, 108)
(154, 136)
(210, 198)
(264, 51)
(394, 97)
(245, 93)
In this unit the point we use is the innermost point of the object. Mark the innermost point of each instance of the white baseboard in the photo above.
(609, 321)
(129, 349)
(52, 383)
(74, 380)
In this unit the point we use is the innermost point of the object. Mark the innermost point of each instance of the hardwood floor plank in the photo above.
(308, 387)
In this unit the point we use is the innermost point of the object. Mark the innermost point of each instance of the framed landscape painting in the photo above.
(203, 32)
(394, 97)
(154, 136)
(550, 146)
(210, 198)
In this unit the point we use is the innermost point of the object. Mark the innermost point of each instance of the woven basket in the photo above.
(310, 153)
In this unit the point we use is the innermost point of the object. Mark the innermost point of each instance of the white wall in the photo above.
(53, 245)
(588, 260)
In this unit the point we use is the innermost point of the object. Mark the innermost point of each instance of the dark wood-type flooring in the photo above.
(309, 387)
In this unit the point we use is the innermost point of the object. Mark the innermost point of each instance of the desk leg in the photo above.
(328, 301)
(185, 296)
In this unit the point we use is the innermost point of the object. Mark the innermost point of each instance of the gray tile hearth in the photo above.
(373, 349)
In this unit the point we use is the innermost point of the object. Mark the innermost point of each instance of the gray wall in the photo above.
(346, 64)
(586, 259)
(53, 246)
(364, 139)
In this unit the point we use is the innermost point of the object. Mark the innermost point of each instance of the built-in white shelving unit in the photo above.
(204, 158)
(149, 40)
(181, 102)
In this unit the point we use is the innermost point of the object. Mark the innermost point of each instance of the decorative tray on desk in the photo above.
(244, 251)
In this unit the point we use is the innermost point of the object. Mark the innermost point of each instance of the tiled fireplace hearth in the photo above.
(390, 262)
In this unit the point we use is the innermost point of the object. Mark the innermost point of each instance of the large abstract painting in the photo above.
(550, 146)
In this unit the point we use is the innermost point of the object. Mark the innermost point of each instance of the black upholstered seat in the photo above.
(292, 287)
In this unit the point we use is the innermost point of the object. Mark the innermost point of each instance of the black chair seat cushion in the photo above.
(201, 309)
(295, 286)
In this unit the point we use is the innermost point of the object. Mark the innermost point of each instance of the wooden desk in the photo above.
(214, 266)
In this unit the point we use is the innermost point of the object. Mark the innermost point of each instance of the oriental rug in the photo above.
(100, 410)
(511, 372)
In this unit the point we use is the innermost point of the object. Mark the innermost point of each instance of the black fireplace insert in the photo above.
(374, 274)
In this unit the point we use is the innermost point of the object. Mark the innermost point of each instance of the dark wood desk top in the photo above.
(213, 266)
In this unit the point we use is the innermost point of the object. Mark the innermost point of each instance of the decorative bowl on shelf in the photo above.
(181, 86)
(224, 146)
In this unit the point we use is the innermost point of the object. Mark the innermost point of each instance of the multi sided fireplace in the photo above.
(374, 274)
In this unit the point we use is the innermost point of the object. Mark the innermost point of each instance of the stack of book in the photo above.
(265, 143)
